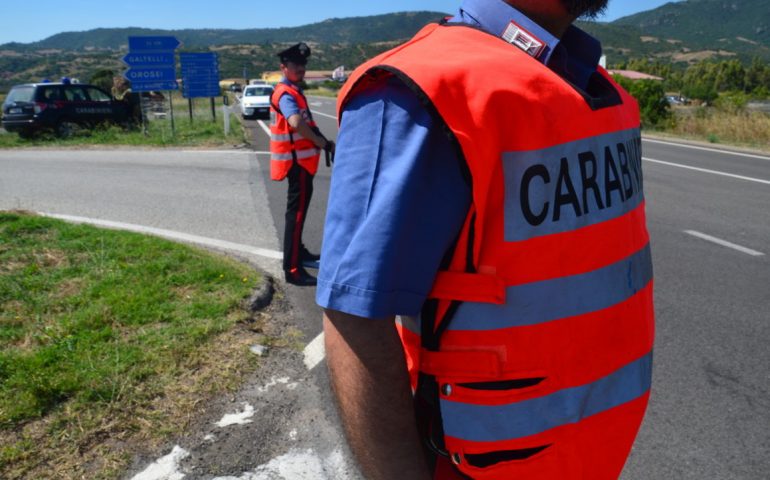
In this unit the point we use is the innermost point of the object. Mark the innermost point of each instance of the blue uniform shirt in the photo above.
(398, 198)
(287, 103)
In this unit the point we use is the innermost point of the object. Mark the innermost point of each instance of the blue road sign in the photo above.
(150, 59)
(152, 74)
(152, 63)
(154, 86)
(200, 75)
(152, 43)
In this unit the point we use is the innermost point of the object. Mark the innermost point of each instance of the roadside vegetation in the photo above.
(110, 342)
(707, 101)
(202, 131)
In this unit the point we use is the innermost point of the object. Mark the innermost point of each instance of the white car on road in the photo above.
(255, 101)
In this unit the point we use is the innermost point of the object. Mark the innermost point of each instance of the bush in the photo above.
(700, 92)
(331, 85)
(653, 106)
(732, 102)
(103, 79)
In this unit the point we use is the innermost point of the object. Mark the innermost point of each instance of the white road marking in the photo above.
(707, 149)
(172, 235)
(300, 465)
(724, 243)
(265, 128)
(314, 352)
(166, 468)
(235, 152)
(705, 170)
(240, 418)
(324, 114)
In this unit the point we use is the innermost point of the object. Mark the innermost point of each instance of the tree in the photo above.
(757, 81)
(730, 76)
(651, 96)
(103, 79)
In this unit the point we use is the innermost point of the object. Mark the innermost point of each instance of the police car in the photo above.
(61, 107)
(255, 101)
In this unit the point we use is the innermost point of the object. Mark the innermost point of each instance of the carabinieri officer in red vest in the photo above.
(486, 242)
(295, 145)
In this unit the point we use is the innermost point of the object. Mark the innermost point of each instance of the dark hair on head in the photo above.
(585, 8)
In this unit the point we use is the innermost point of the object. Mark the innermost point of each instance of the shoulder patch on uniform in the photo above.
(516, 34)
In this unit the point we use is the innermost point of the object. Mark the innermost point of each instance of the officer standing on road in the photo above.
(295, 144)
(486, 222)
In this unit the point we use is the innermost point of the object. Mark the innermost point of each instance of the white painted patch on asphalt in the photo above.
(293, 435)
(240, 418)
(166, 468)
(278, 381)
(171, 235)
(259, 350)
(314, 352)
(315, 104)
(716, 150)
(300, 465)
(724, 243)
(705, 170)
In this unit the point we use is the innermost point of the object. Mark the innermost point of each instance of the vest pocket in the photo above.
(534, 462)
(508, 389)
(485, 460)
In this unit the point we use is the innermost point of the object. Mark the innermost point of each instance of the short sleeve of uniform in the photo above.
(397, 202)
(288, 105)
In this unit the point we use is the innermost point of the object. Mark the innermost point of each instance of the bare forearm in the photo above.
(369, 377)
(301, 126)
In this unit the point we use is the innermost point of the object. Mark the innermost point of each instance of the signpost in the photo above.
(152, 65)
(200, 77)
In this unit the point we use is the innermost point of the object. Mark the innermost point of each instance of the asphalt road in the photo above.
(710, 228)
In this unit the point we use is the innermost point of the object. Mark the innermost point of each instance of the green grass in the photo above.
(106, 333)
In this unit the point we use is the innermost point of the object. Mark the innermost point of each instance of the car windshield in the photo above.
(258, 92)
(21, 94)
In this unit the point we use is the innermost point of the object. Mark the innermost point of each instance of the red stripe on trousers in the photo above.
(298, 221)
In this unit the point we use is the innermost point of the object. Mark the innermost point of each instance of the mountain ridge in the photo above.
(682, 33)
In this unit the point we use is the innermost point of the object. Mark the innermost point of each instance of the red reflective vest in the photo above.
(536, 342)
(286, 144)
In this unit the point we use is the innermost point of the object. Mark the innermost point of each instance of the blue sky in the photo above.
(29, 21)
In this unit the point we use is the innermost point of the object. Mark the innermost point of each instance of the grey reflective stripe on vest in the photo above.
(557, 298)
(572, 185)
(301, 155)
(413, 324)
(276, 137)
(491, 423)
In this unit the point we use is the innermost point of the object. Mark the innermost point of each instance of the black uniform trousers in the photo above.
(297, 203)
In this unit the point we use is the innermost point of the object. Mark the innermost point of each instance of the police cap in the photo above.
(296, 54)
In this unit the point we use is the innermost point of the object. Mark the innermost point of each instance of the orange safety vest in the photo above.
(535, 345)
(286, 144)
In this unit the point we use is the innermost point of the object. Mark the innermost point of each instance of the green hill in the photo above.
(378, 28)
(734, 28)
(683, 32)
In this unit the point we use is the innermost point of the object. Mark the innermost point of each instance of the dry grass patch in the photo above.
(751, 129)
